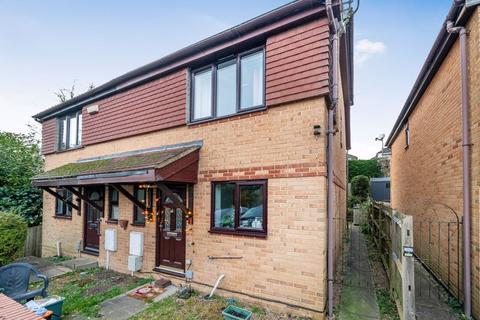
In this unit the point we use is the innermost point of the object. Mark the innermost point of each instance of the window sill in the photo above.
(111, 221)
(219, 119)
(256, 234)
(137, 224)
(71, 149)
(62, 217)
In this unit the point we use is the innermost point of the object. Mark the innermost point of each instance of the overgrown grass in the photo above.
(195, 308)
(388, 308)
(84, 291)
(386, 305)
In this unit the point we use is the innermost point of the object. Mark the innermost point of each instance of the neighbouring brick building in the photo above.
(211, 160)
(427, 156)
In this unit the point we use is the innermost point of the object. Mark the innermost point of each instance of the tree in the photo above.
(64, 94)
(20, 161)
(361, 187)
(369, 168)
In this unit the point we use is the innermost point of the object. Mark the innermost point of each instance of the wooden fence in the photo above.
(393, 236)
(33, 243)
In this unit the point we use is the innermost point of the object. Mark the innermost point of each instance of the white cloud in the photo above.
(365, 49)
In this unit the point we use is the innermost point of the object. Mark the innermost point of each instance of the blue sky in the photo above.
(46, 45)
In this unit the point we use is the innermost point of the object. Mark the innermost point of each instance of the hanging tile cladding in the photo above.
(48, 136)
(297, 67)
(157, 105)
(297, 63)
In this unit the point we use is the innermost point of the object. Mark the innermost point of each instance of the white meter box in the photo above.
(136, 243)
(111, 239)
(134, 263)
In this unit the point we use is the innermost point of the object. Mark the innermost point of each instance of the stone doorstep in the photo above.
(80, 264)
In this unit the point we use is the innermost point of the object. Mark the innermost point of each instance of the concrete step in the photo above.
(80, 263)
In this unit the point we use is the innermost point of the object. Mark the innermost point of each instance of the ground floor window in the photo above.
(239, 207)
(144, 194)
(62, 209)
(113, 211)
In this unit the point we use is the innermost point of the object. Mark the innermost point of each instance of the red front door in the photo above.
(171, 232)
(92, 218)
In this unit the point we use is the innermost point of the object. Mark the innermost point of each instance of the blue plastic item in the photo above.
(55, 306)
(15, 278)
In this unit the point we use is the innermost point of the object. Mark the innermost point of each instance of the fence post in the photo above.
(402, 277)
(33, 242)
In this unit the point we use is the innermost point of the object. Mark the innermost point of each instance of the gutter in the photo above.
(334, 26)
(466, 163)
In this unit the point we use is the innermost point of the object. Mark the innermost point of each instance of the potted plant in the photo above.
(235, 313)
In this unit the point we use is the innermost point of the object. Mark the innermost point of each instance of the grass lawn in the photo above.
(85, 290)
(195, 308)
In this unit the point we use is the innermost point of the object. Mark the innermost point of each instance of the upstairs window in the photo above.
(229, 86)
(70, 131)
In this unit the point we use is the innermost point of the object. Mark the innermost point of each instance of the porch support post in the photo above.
(84, 198)
(129, 196)
(59, 197)
(176, 201)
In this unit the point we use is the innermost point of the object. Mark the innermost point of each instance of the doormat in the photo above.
(146, 293)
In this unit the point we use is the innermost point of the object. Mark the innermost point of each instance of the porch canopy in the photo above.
(178, 163)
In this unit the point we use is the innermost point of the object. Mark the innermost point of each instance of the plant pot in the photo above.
(123, 224)
(235, 313)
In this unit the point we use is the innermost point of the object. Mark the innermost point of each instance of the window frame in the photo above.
(237, 229)
(67, 210)
(213, 67)
(110, 211)
(136, 210)
(78, 143)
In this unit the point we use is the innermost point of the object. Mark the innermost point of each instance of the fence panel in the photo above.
(393, 237)
(33, 243)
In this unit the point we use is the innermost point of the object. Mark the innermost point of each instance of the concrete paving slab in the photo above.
(121, 308)
(124, 307)
(47, 267)
(169, 291)
(357, 298)
(80, 263)
(431, 299)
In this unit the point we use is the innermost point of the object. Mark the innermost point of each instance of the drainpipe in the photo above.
(334, 30)
(467, 192)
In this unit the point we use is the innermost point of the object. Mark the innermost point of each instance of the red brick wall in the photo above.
(427, 176)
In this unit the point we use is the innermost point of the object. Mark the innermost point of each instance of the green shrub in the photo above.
(361, 187)
(370, 168)
(13, 232)
(353, 200)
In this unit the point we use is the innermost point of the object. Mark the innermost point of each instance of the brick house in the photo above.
(431, 155)
(212, 160)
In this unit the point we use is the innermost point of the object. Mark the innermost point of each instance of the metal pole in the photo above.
(467, 191)
(467, 289)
